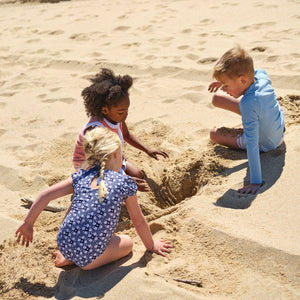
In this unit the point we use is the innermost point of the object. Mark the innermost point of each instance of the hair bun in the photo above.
(115, 92)
(126, 82)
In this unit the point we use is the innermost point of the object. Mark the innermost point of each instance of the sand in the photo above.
(238, 246)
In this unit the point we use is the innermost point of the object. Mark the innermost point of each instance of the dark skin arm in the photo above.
(135, 142)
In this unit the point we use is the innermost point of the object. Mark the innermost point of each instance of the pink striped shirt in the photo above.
(78, 154)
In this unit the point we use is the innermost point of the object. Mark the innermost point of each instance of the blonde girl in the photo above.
(86, 236)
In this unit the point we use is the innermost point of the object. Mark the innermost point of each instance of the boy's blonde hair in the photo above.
(233, 63)
(98, 144)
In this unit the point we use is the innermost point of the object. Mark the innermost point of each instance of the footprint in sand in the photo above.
(122, 28)
(55, 32)
(79, 37)
(32, 41)
(257, 26)
(207, 60)
(29, 136)
(169, 101)
(206, 21)
(59, 121)
(54, 89)
(2, 131)
(128, 45)
(193, 97)
(64, 100)
(188, 30)
(192, 56)
(259, 49)
(183, 47)
(123, 17)
(196, 88)
(42, 96)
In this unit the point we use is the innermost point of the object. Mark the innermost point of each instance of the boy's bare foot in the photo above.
(60, 261)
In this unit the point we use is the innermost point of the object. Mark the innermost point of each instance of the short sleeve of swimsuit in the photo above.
(89, 225)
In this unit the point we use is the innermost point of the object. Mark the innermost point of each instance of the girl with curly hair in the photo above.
(107, 102)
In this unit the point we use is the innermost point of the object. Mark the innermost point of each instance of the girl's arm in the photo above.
(142, 228)
(25, 231)
(135, 142)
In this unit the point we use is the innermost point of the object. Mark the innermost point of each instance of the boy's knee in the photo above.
(215, 100)
(213, 134)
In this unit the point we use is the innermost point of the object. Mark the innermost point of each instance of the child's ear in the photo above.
(243, 79)
(104, 110)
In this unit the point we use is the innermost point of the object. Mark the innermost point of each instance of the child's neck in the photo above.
(248, 83)
(112, 165)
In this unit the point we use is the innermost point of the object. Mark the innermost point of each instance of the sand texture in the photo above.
(238, 246)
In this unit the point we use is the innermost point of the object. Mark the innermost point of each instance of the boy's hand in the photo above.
(250, 188)
(25, 231)
(214, 86)
(161, 246)
(154, 153)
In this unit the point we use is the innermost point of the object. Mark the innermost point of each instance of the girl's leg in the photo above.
(226, 102)
(133, 170)
(118, 247)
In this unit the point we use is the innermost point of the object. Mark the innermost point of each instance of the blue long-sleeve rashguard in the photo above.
(263, 121)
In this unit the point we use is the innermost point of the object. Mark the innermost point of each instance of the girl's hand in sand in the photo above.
(214, 86)
(249, 189)
(141, 184)
(154, 153)
(25, 232)
(161, 247)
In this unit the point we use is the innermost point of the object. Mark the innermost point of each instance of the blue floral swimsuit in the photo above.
(89, 225)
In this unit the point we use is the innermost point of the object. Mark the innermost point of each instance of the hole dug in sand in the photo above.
(183, 179)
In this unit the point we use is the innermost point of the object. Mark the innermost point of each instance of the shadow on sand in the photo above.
(95, 283)
(272, 164)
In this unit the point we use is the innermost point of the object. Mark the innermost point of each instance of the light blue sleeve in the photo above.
(249, 111)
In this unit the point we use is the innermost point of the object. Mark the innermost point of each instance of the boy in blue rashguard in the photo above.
(262, 116)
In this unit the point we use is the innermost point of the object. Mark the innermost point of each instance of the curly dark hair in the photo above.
(106, 90)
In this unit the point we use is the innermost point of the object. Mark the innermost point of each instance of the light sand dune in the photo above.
(239, 246)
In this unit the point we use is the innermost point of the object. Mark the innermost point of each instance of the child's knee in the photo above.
(138, 173)
(215, 100)
(127, 243)
(213, 134)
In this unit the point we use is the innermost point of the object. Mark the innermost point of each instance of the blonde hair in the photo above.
(98, 144)
(233, 63)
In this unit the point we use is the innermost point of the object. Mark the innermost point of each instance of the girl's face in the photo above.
(117, 113)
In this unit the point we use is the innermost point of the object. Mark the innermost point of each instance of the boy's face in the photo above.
(234, 87)
(118, 113)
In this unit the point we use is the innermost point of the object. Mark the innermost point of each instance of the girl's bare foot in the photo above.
(60, 261)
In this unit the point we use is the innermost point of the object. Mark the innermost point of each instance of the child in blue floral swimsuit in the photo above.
(86, 236)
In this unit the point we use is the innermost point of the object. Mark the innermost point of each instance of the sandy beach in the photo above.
(237, 246)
